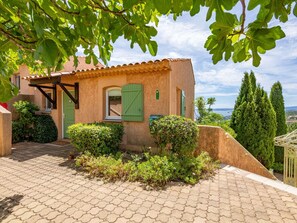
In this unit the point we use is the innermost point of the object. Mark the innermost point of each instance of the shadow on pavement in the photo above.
(7, 204)
(28, 150)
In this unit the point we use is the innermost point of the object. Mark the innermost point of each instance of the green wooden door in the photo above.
(68, 112)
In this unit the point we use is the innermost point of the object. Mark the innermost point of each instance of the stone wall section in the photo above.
(5, 132)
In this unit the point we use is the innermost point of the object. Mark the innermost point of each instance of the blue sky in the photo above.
(185, 38)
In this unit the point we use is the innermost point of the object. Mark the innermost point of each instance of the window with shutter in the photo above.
(113, 103)
(132, 102)
(183, 104)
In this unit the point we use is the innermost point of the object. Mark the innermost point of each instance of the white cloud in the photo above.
(220, 75)
(182, 35)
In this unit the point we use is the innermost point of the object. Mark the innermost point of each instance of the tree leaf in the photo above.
(196, 7)
(163, 6)
(7, 89)
(253, 4)
(129, 3)
(153, 48)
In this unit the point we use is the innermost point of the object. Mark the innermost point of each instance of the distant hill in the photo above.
(292, 108)
(227, 112)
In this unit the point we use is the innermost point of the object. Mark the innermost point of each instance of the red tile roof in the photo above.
(138, 67)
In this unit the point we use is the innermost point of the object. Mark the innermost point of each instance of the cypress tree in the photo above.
(254, 121)
(248, 125)
(253, 81)
(245, 94)
(277, 101)
(263, 148)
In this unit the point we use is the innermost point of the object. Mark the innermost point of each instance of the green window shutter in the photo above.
(183, 104)
(132, 102)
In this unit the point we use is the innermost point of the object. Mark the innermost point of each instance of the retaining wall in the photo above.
(222, 146)
(5, 132)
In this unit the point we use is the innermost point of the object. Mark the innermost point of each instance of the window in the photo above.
(17, 81)
(113, 103)
(48, 104)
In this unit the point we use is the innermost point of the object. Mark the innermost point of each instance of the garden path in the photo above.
(38, 184)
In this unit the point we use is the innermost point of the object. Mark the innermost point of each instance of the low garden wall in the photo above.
(222, 146)
(5, 132)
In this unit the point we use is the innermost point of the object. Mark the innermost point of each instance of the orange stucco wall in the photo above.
(5, 132)
(220, 145)
(182, 78)
(92, 102)
(92, 99)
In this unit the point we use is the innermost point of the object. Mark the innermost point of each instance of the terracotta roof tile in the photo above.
(137, 67)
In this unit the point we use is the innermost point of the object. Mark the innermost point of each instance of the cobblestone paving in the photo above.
(37, 185)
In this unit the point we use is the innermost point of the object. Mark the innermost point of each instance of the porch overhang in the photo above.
(51, 82)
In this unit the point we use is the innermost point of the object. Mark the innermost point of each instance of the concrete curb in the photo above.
(273, 183)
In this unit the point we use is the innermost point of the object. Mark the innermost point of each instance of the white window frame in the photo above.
(47, 101)
(107, 117)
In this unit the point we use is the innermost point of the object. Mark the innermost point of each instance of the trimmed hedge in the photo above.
(97, 138)
(17, 132)
(44, 130)
(181, 133)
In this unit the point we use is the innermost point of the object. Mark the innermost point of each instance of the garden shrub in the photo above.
(17, 132)
(292, 127)
(155, 171)
(44, 130)
(181, 133)
(22, 129)
(278, 167)
(117, 134)
(191, 169)
(109, 168)
(26, 111)
(97, 138)
(32, 127)
(278, 154)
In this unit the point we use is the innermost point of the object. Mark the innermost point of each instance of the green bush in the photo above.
(44, 129)
(278, 167)
(22, 128)
(181, 133)
(17, 132)
(292, 127)
(32, 127)
(278, 154)
(97, 138)
(155, 171)
(191, 169)
(26, 111)
(224, 125)
(108, 168)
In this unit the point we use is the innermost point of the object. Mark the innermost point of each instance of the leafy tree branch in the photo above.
(51, 31)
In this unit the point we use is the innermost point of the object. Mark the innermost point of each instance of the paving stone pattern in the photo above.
(37, 184)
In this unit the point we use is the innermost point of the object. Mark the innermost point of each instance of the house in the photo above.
(130, 93)
(32, 94)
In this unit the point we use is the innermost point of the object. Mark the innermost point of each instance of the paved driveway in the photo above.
(37, 185)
